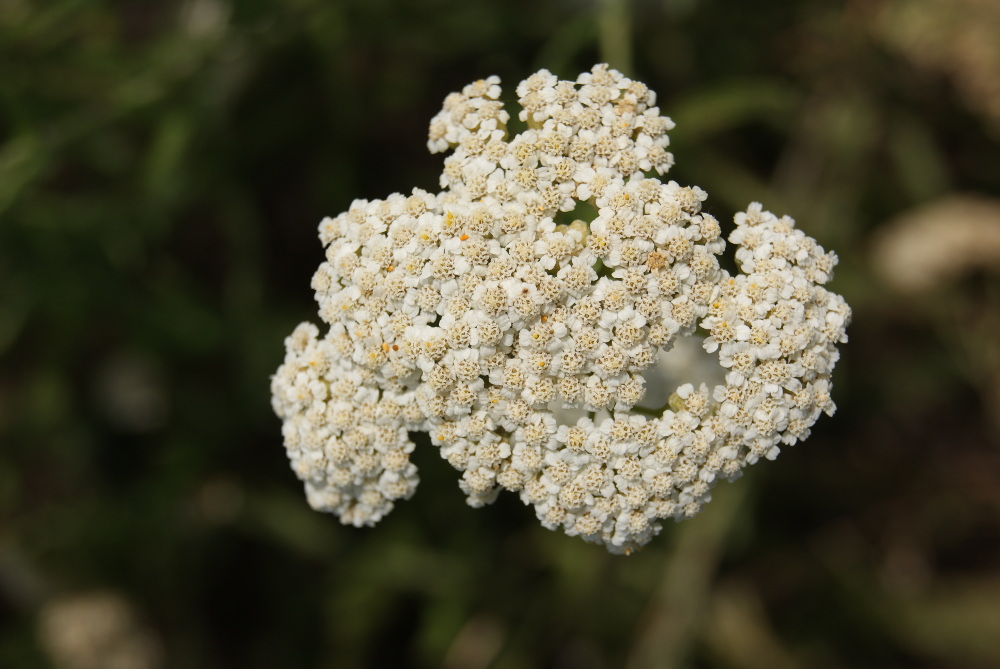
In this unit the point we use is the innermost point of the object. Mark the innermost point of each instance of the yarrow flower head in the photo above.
(472, 315)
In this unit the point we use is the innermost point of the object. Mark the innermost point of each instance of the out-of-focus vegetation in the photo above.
(163, 167)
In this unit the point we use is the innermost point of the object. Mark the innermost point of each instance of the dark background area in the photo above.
(163, 169)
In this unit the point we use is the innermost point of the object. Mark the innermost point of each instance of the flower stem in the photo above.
(614, 34)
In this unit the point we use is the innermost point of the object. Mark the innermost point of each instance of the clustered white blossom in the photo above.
(472, 315)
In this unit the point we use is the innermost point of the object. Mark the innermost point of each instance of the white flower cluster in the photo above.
(472, 315)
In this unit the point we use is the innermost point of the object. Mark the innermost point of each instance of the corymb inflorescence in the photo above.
(523, 346)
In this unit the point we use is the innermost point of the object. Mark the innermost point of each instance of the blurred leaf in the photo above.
(164, 161)
(922, 167)
(741, 634)
(957, 622)
(724, 106)
(675, 614)
(22, 161)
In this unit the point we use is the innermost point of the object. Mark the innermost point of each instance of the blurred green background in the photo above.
(163, 168)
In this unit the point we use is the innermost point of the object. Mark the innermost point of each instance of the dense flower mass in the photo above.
(522, 346)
